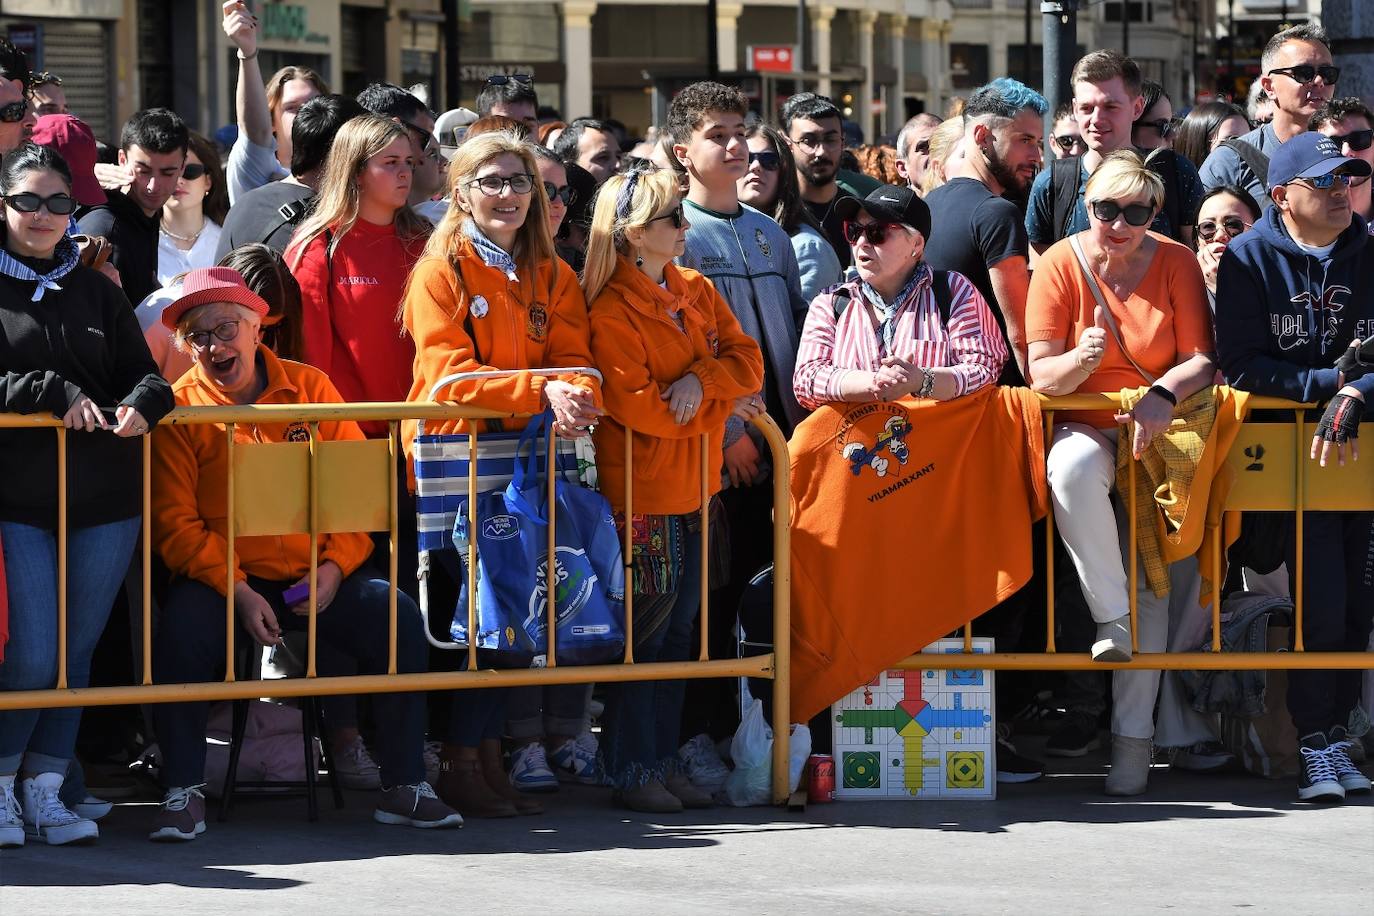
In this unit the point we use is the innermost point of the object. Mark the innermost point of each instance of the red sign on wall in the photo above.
(775, 58)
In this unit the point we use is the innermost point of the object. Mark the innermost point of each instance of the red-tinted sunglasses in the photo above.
(876, 233)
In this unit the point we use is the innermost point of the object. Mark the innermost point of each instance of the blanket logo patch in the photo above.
(887, 446)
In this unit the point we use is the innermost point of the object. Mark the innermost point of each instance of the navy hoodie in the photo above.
(1284, 316)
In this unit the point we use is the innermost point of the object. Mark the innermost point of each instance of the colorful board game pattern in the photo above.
(918, 734)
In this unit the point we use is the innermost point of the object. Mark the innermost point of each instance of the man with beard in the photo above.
(983, 236)
(815, 131)
(16, 115)
(1107, 101)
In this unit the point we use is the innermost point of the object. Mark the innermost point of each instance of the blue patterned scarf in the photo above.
(67, 259)
(493, 255)
(887, 314)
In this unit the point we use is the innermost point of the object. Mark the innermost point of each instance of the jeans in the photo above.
(1081, 469)
(543, 712)
(643, 718)
(98, 556)
(351, 636)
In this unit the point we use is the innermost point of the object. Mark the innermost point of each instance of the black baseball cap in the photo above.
(889, 203)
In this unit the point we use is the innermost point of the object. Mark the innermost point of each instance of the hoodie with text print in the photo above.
(1285, 315)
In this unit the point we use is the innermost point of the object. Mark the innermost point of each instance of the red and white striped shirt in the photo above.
(971, 342)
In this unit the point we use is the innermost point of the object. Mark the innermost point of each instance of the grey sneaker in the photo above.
(181, 816)
(356, 768)
(1203, 757)
(49, 821)
(11, 815)
(1347, 774)
(1113, 640)
(1130, 771)
(415, 806)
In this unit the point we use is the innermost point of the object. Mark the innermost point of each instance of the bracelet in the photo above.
(927, 384)
(1164, 393)
(243, 56)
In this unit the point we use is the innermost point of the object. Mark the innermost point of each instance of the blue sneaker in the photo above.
(576, 759)
(529, 769)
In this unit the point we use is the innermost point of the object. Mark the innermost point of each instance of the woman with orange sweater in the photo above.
(219, 320)
(489, 295)
(676, 366)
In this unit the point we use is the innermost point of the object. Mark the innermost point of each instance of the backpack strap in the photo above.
(839, 301)
(944, 297)
(1256, 161)
(291, 215)
(1066, 176)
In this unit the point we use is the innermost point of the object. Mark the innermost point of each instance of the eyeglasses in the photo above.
(14, 111)
(556, 193)
(1306, 73)
(770, 161)
(44, 79)
(501, 79)
(1231, 225)
(427, 144)
(1165, 127)
(1358, 139)
(814, 142)
(1136, 214)
(57, 204)
(225, 330)
(876, 233)
(1067, 142)
(193, 170)
(495, 185)
(675, 215)
(1326, 182)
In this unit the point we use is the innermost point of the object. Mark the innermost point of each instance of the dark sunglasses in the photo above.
(501, 79)
(876, 233)
(14, 111)
(1165, 127)
(57, 204)
(1306, 73)
(675, 215)
(1136, 214)
(770, 161)
(1327, 181)
(44, 79)
(193, 171)
(564, 193)
(1358, 139)
(1231, 225)
(1067, 142)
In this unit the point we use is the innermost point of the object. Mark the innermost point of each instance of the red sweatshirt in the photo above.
(350, 313)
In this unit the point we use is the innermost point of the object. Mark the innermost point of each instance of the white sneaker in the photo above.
(92, 808)
(49, 821)
(11, 815)
(356, 768)
(703, 764)
(529, 769)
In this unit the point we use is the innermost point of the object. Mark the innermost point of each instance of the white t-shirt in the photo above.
(172, 261)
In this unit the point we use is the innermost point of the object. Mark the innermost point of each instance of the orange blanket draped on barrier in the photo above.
(910, 518)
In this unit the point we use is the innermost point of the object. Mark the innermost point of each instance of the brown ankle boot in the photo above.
(489, 755)
(463, 788)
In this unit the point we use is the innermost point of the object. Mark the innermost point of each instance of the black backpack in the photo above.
(1256, 161)
(939, 284)
(1066, 177)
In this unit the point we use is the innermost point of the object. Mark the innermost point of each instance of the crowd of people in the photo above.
(363, 249)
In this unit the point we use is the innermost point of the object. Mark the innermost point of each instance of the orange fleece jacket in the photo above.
(536, 323)
(910, 518)
(190, 510)
(642, 351)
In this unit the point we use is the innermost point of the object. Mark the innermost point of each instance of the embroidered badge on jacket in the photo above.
(762, 241)
(538, 324)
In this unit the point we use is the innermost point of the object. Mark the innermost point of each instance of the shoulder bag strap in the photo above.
(1106, 310)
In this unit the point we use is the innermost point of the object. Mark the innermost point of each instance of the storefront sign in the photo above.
(773, 58)
(478, 72)
(289, 22)
(29, 39)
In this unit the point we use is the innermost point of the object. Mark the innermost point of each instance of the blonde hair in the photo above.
(1123, 174)
(651, 193)
(336, 209)
(942, 143)
(532, 243)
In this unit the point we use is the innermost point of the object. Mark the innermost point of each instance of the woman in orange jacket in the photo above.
(489, 295)
(676, 366)
(219, 320)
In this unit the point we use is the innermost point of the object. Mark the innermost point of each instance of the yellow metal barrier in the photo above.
(366, 473)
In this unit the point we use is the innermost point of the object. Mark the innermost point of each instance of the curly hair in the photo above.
(689, 109)
(879, 162)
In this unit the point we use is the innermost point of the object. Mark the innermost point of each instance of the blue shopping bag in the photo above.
(512, 553)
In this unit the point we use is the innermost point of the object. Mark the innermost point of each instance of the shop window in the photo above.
(652, 32)
(968, 65)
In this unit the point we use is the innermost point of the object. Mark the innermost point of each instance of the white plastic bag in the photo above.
(799, 750)
(752, 750)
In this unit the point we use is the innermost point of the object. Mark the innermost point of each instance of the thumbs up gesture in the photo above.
(1092, 343)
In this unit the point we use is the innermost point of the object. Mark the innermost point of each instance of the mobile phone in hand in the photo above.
(296, 594)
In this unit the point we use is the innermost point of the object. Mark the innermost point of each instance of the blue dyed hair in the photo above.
(1005, 97)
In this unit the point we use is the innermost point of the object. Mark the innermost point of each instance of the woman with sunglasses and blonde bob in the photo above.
(1152, 330)
(490, 295)
(885, 334)
(677, 365)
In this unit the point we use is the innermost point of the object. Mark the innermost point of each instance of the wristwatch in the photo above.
(927, 384)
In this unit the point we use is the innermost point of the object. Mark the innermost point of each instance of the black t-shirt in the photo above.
(833, 227)
(257, 217)
(976, 230)
(134, 236)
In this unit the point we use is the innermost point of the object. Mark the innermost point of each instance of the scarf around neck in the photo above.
(67, 258)
(493, 255)
(887, 313)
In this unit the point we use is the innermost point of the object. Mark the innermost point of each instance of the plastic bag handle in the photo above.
(507, 373)
(526, 468)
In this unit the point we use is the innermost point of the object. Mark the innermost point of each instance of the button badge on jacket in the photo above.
(478, 307)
